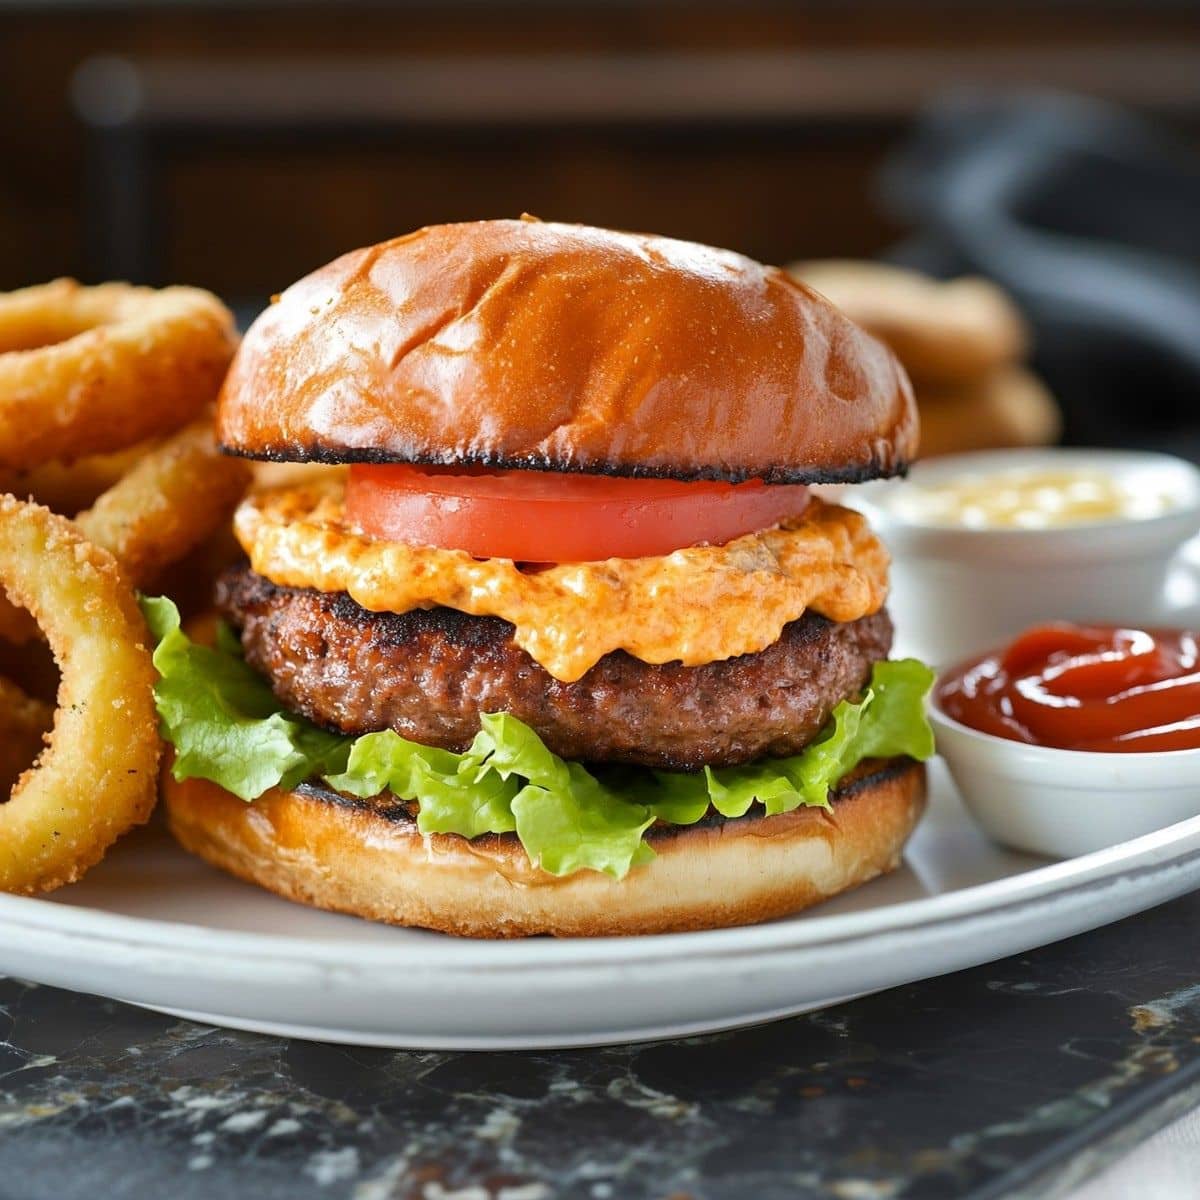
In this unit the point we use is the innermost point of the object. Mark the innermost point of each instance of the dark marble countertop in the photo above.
(1019, 1078)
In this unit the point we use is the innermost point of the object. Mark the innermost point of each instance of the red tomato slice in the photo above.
(545, 516)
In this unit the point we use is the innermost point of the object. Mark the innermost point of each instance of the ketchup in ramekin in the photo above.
(1083, 687)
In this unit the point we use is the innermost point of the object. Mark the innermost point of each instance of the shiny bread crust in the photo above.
(563, 347)
(356, 857)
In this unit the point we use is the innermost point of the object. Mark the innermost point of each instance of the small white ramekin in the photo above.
(1065, 802)
(958, 590)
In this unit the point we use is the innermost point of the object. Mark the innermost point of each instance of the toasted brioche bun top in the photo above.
(562, 347)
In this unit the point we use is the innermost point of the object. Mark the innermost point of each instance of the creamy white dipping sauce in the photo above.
(1032, 498)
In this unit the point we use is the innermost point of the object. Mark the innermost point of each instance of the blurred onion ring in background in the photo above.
(97, 776)
(89, 370)
(23, 721)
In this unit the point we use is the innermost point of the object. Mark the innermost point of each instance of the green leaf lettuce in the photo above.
(227, 726)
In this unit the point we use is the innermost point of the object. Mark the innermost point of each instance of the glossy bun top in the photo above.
(562, 347)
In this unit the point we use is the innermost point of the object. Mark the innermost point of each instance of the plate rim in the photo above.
(1175, 845)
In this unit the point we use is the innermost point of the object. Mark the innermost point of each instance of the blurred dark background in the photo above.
(248, 142)
(236, 145)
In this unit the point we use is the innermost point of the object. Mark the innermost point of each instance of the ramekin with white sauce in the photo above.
(986, 544)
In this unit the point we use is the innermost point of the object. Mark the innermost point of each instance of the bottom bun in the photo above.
(361, 857)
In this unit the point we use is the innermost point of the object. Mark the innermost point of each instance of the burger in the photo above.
(561, 640)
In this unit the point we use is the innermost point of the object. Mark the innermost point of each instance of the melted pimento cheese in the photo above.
(698, 605)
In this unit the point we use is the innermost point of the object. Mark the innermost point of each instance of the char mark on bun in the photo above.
(814, 473)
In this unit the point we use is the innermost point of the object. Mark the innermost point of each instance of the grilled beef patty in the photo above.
(429, 673)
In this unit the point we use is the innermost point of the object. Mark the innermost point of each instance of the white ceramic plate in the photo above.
(160, 929)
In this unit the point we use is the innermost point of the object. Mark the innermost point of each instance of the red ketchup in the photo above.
(1083, 687)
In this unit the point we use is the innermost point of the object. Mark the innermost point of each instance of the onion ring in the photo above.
(23, 722)
(69, 488)
(89, 370)
(174, 497)
(97, 777)
(65, 488)
(167, 504)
